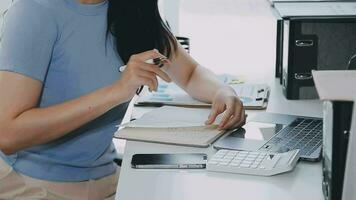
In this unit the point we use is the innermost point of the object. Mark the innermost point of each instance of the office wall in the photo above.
(231, 36)
(170, 11)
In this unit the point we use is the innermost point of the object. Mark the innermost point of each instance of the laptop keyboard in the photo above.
(304, 134)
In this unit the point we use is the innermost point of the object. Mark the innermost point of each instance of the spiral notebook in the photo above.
(173, 125)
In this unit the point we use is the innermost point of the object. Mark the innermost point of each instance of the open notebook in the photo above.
(173, 125)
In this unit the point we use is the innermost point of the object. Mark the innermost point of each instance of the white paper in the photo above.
(174, 117)
(335, 84)
(300, 9)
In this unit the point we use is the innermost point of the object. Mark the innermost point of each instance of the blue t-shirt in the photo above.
(64, 44)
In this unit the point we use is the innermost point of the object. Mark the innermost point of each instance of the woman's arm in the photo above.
(203, 85)
(23, 125)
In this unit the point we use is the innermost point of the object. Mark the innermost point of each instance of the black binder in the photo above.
(312, 36)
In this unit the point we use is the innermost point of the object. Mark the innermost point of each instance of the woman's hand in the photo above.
(227, 102)
(138, 73)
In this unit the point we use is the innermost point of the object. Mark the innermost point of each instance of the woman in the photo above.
(62, 93)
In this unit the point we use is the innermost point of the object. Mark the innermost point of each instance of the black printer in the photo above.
(312, 36)
(336, 89)
(336, 132)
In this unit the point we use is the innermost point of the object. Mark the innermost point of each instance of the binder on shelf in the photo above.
(312, 36)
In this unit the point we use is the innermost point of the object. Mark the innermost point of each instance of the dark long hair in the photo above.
(137, 27)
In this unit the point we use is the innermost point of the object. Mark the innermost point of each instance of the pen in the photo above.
(157, 61)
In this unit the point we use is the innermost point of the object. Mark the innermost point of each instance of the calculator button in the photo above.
(250, 159)
(232, 153)
(251, 156)
(236, 161)
(244, 165)
(240, 156)
(247, 162)
(243, 153)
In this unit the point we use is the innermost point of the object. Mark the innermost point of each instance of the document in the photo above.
(253, 96)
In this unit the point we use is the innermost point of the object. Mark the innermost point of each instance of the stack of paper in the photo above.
(173, 125)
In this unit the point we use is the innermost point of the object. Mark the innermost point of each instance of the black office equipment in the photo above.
(337, 122)
(313, 36)
(185, 42)
(169, 161)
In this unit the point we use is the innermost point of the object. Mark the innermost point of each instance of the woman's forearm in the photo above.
(40, 125)
(207, 91)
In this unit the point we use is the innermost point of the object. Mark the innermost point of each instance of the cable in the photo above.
(352, 58)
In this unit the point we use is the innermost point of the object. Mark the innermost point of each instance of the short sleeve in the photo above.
(28, 38)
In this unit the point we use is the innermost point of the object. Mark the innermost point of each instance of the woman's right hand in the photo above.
(138, 73)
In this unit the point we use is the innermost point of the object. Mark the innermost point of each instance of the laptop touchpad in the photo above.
(250, 137)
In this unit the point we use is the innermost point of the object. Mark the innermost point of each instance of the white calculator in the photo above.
(253, 162)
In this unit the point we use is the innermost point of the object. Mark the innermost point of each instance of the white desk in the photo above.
(303, 183)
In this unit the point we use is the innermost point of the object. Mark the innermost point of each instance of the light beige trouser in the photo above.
(15, 186)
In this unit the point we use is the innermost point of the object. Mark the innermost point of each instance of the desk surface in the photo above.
(302, 183)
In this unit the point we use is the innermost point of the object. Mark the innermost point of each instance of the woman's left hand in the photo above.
(227, 102)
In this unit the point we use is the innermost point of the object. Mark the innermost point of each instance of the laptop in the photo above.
(272, 132)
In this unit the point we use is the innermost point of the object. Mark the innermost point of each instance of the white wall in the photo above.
(170, 10)
(231, 36)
